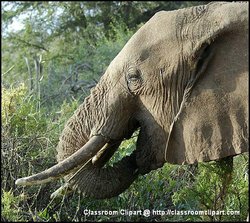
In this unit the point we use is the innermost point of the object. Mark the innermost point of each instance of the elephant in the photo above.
(181, 81)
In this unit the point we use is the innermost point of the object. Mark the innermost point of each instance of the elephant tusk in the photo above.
(68, 165)
(61, 191)
(99, 153)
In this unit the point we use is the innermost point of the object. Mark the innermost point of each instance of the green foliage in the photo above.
(9, 211)
(28, 138)
(217, 187)
(19, 112)
(125, 149)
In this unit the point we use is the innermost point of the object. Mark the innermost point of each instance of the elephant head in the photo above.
(181, 80)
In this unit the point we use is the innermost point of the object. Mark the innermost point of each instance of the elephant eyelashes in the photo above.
(134, 81)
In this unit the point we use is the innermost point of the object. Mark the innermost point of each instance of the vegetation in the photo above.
(48, 67)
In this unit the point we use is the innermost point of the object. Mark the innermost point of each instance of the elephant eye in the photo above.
(134, 81)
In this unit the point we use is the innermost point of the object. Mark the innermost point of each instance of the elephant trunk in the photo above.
(106, 182)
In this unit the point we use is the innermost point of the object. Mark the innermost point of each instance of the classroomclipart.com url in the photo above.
(147, 212)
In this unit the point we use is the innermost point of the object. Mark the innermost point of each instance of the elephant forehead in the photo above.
(155, 37)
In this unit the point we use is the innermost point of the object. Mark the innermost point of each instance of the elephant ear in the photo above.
(212, 122)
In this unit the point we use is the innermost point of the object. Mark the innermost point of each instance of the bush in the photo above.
(28, 138)
(9, 202)
(217, 187)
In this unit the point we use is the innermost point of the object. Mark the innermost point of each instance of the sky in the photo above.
(16, 24)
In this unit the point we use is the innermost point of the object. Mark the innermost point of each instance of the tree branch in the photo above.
(31, 44)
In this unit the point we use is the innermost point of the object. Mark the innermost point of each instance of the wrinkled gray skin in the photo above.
(182, 81)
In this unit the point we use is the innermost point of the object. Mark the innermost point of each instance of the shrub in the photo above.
(217, 187)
